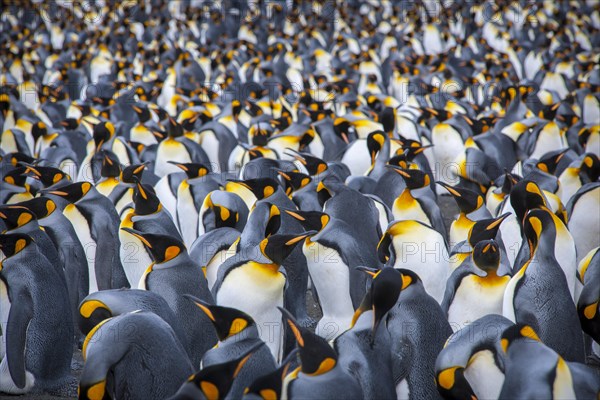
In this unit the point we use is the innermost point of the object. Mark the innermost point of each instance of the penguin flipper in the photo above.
(16, 336)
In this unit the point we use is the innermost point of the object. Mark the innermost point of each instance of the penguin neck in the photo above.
(544, 250)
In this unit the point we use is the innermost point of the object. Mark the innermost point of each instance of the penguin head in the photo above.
(111, 167)
(12, 244)
(15, 216)
(223, 215)
(590, 168)
(16, 177)
(226, 321)
(375, 142)
(262, 188)
(40, 206)
(526, 195)
(310, 220)
(103, 132)
(485, 229)
(467, 200)
(4, 104)
(162, 248)
(516, 333)
(412, 148)
(486, 255)
(344, 130)
(535, 223)
(215, 380)
(277, 247)
(174, 128)
(382, 295)
(414, 178)
(143, 113)
(48, 176)
(269, 386)
(313, 165)
(294, 180)
(72, 192)
(317, 357)
(192, 170)
(550, 161)
(38, 129)
(452, 384)
(132, 173)
(145, 200)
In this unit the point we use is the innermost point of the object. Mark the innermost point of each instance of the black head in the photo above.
(16, 177)
(526, 195)
(486, 255)
(15, 216)
(517, 332)
(72, 192)
(549, 162)
(41, 206)
(14, 243)
(535, 223)
(316, 355)
(103, 132)
(385, 290)
(485, 229)
(375, 142)
(215, 381)
(414, 178)
(49, 176)
(192, 170)
(278, 247)
(590, 168)
(269, 386)
(310, 220)
(111, 167)
(262, 188)
(162, 248)
(130, 173)
(226, 321)
(294, 180)
(145, 200)
(467, 200)
(314, 165)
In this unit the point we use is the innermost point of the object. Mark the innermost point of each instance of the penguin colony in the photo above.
(180, 178)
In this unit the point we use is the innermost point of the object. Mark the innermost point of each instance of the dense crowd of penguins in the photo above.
(179, 179)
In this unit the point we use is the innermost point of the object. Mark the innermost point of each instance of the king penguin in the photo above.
(252, 282)
(538, 294)
(472, 362)
(33, 303)
(420, 248)
(172, 274)
(475, 289)
(551, 376)
(96, 224)
(112, 368)
(237, 333)
(319, 375)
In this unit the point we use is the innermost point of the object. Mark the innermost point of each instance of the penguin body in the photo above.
(211, 250)
(237, 335)
(70, 250)
(320, 375)
(472, 363)
(583, 220)
(420, 248)
(109, 365)
(96, 223)
(538, 294)
(33, 300)
(255, 274)
(552, 377)
(588, 299)
(475, 289)
(415, 311)
(102, 305)
(173, 274)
